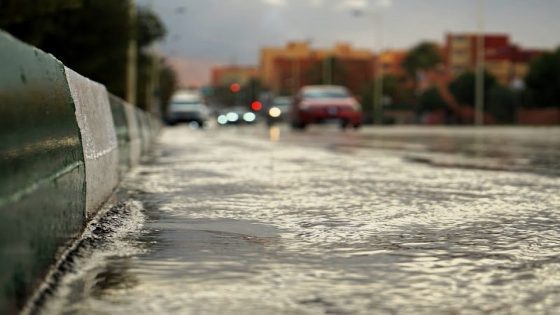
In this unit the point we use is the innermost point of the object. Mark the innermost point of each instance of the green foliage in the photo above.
(499, 101)
(91, 39)
(18, 11)
(395, 88)
(501, 104)
(167, 85)
(149, 28)
(423, 56)
(144, 74)
(391, 86)
(463, 87)
(394, 92)
(543, 81)
(431, 100)
(367, 101)
(89, 36)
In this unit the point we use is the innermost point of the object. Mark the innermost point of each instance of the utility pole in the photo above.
(153, 86)
(377, 97)
(378, 82)
(480, 58)
(131, 56)
(378, 91)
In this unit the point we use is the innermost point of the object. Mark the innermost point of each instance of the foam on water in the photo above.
(107, 239)
(238, 225)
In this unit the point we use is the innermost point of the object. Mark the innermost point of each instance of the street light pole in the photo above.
(480, 56)
(377, 97)
(377, 16)
(378, 83)
(131, 56)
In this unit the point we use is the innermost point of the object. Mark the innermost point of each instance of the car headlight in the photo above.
(232, 117)
(222, 119)
(249, 117)
(274, 112)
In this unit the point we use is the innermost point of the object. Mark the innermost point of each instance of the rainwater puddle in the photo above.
(245, 226)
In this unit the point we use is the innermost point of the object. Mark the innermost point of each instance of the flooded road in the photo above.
(381, 221)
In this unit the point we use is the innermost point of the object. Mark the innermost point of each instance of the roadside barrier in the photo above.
(118, 111)
(134, 139)
(99, 140)
(64, 145)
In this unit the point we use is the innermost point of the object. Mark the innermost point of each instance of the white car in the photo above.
(187, 106)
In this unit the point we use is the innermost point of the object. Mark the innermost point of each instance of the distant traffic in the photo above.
(314, 104)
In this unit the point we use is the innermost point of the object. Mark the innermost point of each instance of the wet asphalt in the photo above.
(251, 220)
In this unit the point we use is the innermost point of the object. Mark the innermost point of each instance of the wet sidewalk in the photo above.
(227, 222)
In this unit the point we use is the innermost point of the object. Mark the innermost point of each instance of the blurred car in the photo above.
(187, 106)
(278, 110)
(236, 116)
(322, 103)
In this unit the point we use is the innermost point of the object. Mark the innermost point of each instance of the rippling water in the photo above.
(238, 225)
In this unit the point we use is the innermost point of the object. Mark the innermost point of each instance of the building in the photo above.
(226, 75)
(286, 69)
(502, 59)
(392, 60)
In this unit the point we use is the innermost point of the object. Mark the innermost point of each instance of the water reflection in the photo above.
(115, 275)
(274, 133)
(535, 150)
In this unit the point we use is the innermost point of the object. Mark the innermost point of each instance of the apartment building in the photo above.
(286, 69)
(503, 59)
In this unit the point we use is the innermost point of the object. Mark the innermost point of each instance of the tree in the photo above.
(463, 87)
(501, 104)
(14, 12)
(167, 85)
(148, 30)
(393, 89)
(89, 36)
(423, 56)
(395, 96)
(543, 80)
(431, 100)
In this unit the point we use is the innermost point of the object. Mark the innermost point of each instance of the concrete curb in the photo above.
(64, 145)
(133, 135)
(99, 139)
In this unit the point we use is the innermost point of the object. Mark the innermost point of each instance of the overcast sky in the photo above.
(224, 31)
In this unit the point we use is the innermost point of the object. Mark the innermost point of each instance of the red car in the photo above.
(321, 103)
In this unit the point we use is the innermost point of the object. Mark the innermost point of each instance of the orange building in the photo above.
(392, 60)
(286, 69)
(226, 75)
(502, 59)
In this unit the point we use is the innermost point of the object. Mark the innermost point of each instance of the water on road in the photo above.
(254, 221)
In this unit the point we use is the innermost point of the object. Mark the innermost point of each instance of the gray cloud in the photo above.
(234, 30)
